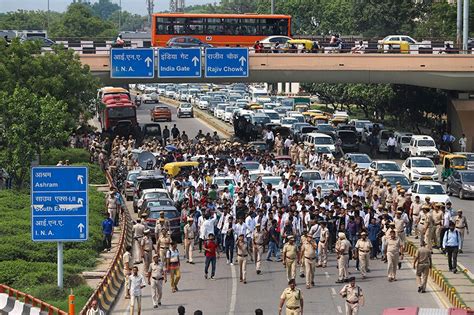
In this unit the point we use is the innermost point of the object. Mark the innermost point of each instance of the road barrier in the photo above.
(107, 290)
(438, 277)
(16, 302)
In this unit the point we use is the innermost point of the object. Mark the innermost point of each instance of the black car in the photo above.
(461, 183)
(186, 42)
(349, 140)
(172, 215)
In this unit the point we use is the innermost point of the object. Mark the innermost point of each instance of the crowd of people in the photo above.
(294, 223)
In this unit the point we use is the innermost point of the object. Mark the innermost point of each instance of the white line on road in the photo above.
(339, 309)
(327, 274)
(333, 291)
(233, 297)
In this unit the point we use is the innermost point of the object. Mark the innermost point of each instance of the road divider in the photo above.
(16, 302)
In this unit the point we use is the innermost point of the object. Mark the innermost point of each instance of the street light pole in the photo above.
(272, 8)
(459, 23)
(120, 16)
(465, 35)
(47, 18)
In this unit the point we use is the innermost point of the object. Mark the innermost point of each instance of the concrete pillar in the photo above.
(460, 117)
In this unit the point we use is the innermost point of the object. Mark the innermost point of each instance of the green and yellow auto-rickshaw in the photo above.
(453, 162)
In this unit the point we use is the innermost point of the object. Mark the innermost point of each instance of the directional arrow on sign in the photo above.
(242, 61)
(195, 61)
(80, 179)
(80, 227)
(148, 60)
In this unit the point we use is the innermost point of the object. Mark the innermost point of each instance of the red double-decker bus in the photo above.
(219, 29)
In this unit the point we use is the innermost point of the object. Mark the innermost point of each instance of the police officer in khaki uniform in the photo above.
(127, 267)
(189, 240)
(393, 252)
(308, 256)
(415, 210)
(353, 295)
(437, 225)
(138, 229)
(242, 252)
(147, 249)
(427, 227)
(163, 244)
(294, 152)
(293, 297)
(400, 225)
(161, 223)
(460, 222)
(323, 245)
(258, 240)
(363, 248)
(422, 264)
(290, 255)
(343, 247)
(156, 275)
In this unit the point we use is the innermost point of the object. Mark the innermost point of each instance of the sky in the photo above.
(134, 6)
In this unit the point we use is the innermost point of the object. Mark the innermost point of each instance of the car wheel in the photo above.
(461, 194)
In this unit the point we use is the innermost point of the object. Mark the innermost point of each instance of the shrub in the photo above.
(53, 156)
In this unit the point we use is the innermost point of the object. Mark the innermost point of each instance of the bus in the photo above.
(219, 29)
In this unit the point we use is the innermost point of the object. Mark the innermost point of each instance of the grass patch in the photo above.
(53, 156)
(31, 266)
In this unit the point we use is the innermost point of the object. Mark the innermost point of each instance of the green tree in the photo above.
(104, 9)
(27, 20)
(79, 21)
(30, 125)
(128, 21)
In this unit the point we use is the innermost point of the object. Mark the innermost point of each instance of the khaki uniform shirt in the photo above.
(399, 225)
(147, 243)
(416, 208)
(164, 242)
(189, 231)
(309, 251)
(423, 254)
(258, 237)
(460, 222)
(428, 221)
(138, 230)
(126, 258)
(343, 246)
(157, 270)
(242, 248)
(393, 246)
(352, 293)
(289, 251)
(292, 297)
(363, 247)
(437, 217)
(400, 201)
(324, 235)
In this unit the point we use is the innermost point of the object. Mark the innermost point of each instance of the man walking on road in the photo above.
(391, 142)
(274, 242)
(258, 240)
(354, 297)
(293, 297)
(451, 244)
(422, 265)
(290, 255)
(242, 253)
(147, 250)
(135, 285)
(460, 222)
(343, 246)
(156, 275)
(138, 230)
(175, 132)
(211, 251)
(112, 205)
(393, 249)
(108, 231)
(127, 270)
(173, 266)
(308, 256)
(95, 309)
(189, 240)
(363, 248)
(323, 245)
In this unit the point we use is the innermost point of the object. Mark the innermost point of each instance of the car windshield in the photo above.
(388, 167)
(132, 177)
(393, 179)
(230, 109)
(158, 203)
(431, 190)
(299, 118)
(186, 105)
(169, 214)
(221, 181)
(261, 120)
(406, 139)
(361, 124)
(161, 108)
(467, 177)
(323, 150)
(308, 176)
(253, 177)
(347, 136)
(273, 115)
(288, 121)
(426, 143)
(325, 127)
(308, 129)
(251, 166)
(156, 195)
(470, 157)
(360, 158)
(274, 181)
(221, 106)
(326, 185)
(422, 163)
(150, 184)
(323, 140)
(121, 112)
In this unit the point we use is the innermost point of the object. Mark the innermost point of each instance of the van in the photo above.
(425, 146)
(320, 140)
(403, 144)
(180, 168)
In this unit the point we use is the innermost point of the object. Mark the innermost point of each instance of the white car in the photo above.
(385, 167)
(257, 173)
(320, 140)
(229, 113)
(274, 117)
(359, 125)
(220, 110)
(288, 122)
(203, 104)
(185, 109)
(270, 41)
(430, 189)
(423, 146)
(150, 96)
(420, 168)
(154, 193)
(170, 93)
(220, 182)
(309, 175)
(275, 181)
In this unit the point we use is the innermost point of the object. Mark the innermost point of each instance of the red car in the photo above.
(160, 112)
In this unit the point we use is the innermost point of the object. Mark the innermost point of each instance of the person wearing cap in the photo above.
(363, 247)
(393, 252)
(156, 275)
(242, 253)
(414, 214)
(161, 223)
(112, 205)
(290, 256)
(258, 238)
(343, 246)
(307, 258)
(460, 223)
(163, 244)
(147, 249)
(438, 225)
(293, 297)
(427, 227)
(173, 266)
(138, 229)
(400, 225)
(353, 296)
(422, 264)
(189, 234)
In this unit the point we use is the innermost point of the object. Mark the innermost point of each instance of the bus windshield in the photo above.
(121, 112)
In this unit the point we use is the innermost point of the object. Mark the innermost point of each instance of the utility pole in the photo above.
(272, 8)
(150, 8)
(120, 16)
(465, 35)
(47, 19)
(459, 23)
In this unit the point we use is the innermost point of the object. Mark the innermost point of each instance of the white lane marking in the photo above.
(333, 291)
(339, 309)
(327, 274)
(233, 297)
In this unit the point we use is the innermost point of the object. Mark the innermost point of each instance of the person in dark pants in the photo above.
(212, 251)
(451, 244)
(108, 231)
(175, 132)
(229, 242)
(165, 135)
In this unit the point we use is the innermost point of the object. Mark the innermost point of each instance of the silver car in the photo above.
(130, 184)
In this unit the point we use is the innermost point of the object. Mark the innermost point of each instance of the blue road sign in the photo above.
(179, 62)
(59, 204)
(134, 63)
(227, 62)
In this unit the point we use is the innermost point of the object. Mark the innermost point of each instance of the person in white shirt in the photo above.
(463, 143)
(391, 142)
(95, 309)
(136, 283)
(240, 227)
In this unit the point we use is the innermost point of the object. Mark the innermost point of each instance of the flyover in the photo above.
(444, 71)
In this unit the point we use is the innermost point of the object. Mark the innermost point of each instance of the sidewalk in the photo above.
(459, 287)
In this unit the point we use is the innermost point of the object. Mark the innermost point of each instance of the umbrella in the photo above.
(171, 148)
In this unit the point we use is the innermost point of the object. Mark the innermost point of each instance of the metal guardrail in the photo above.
(31, 300)
(108, 288)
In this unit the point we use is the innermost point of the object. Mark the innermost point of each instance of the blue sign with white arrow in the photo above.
(136, 63)
(59, 204)
(179, 62)
(227, 62)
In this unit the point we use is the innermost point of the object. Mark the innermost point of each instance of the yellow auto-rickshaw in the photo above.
(301, 45)
(180, 168)
(339, 120)
(453, 162)
(319, 119)
(402, 47)
(255, 106)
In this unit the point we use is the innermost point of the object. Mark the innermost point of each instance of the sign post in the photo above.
(179, 62)
(137, 63)
(227, 62)
(59, 207)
